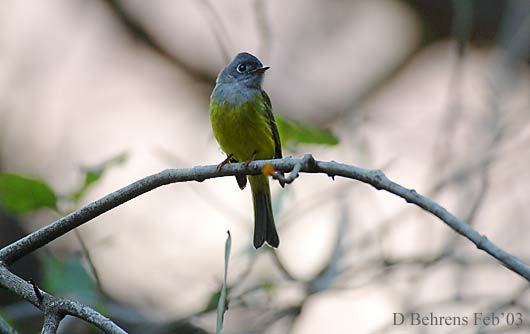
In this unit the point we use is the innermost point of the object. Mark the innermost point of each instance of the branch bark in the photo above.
(306, 164)
(54, 307)
(5, 328)
(51, 322)
(294, 166)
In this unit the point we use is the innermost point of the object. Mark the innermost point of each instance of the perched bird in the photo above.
(244, 127)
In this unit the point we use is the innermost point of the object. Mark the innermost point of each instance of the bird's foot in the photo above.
(247, 162)
(224, 162)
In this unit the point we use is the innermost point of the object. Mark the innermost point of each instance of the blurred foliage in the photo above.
(68, 277)
(294, 132)
(19, 194)
(94, 173)
(7, 322)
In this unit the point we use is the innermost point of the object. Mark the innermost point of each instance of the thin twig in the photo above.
(5, 328)
(137, 30)
(263, 26)
(279, 264)
(290, 177)
(376, 178)
(333, 268)
(218, 29)
(87, 257)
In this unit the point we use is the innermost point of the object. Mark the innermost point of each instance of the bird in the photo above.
(244, 126)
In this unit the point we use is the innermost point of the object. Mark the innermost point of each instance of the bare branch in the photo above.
(375, 178)
(56, 308)
(293, 175)
(5, 328)
(51, 322)
(88, 258)
(283, 269)
(36, 289)
(52, 305)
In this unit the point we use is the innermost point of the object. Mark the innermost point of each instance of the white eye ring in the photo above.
(241, 68)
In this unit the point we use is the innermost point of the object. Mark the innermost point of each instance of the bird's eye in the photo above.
(241, 68)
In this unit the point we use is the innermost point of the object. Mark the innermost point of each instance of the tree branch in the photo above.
(5, 328)
(307, 164)
(55, 308)
(51, 322)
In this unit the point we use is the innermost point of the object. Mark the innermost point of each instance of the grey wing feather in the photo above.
(272, 124)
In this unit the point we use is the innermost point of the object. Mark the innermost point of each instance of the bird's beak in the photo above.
(261, 69)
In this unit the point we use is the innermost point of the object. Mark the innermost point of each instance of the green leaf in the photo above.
(222, 305)
(19, 194)
(68, 278)
(94, 173)
(293, 132)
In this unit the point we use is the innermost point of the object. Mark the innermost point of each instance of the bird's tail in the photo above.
(264, 228)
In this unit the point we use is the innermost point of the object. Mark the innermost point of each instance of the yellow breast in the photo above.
(243, 131)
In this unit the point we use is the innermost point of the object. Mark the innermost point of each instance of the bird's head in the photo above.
(244, 69)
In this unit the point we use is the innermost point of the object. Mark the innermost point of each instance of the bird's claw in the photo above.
(224, 162)
(247, 162)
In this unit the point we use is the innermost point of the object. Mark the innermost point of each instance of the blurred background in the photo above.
(97, 94)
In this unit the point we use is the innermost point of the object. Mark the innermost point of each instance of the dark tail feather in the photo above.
(264, 228)
(241, 181)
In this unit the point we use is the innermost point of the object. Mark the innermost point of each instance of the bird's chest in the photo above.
(243, 131)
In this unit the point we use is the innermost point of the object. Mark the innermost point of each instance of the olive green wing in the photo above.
(272, 125)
